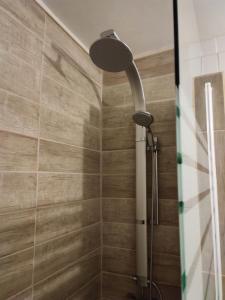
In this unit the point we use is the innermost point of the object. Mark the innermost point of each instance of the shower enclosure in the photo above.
(200, 41)
(91, 206)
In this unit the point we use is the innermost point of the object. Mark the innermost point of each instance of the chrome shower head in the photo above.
(143, 118)
(110, 53)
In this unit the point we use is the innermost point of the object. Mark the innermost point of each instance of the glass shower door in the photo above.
(201, 147)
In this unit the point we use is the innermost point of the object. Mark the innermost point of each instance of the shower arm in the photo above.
(136, 87)
(141, 184)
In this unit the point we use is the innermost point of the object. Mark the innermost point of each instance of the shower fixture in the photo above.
(111, 54)
(143, 118)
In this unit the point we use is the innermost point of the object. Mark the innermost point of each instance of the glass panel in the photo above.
(200, 147)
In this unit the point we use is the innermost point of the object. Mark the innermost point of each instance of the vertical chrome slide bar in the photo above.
(155, 188)
(141, 189)
(213, 191)
(154, 218)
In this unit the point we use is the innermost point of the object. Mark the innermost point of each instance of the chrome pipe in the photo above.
(141, 183)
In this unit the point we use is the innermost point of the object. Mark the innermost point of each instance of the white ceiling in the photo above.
(145, 25)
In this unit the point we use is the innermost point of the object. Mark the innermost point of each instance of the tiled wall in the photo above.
(207, 56)
(50, 111)
(118, 179)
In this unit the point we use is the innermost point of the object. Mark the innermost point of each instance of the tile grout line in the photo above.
(84, 286)
(48, 140)
(49, 205)
(132, 224)
(49, 172)
(131, 105)
(15, 253)
(143, 78)
(71, 90)
(132, 174)
(42, 38)
(85, 228)
(93, 253)
(11, 93)
(38, 153)
(19, 293)
(60, 236)
(133, 149)
(84, 73)
(69, 145)
(21, 23)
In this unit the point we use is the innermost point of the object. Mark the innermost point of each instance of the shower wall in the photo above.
(50, 111)
(118, 179)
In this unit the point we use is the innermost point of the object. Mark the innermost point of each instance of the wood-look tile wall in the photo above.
(118, 179)
(50, 114)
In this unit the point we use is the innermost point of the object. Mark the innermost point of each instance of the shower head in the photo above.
(110, 53)
(143, 118)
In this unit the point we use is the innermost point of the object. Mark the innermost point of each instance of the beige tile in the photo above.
(116, 287)
(19, 77)
(91, 291)
(218, 100)
(121, 210)
(118, 186)
(27, 12)
(156, 88)
(117, 116)
(118, 162)
(159, 88)
(121, 261)
(55, 188)
(64, 158)
(167, 186)
(169, 292)
(168, 211)
(57, 36)
(166, 239)
(166, 132)
(150, 66)
(17, 190)
(57, 220)
(156, 64)
(58, 127)
(15, 273)
(25, 295)
(166, 269)
(23, 113)
(116, 94)
(18, 40)
(118, 138)
(71, 104)
(121, 116)
(67, 281)
(17, 152)
(163, 111)
(56, 254)
(166, 160)
(61, 66)
(16, 232)
(120, 235)
(124, 137)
